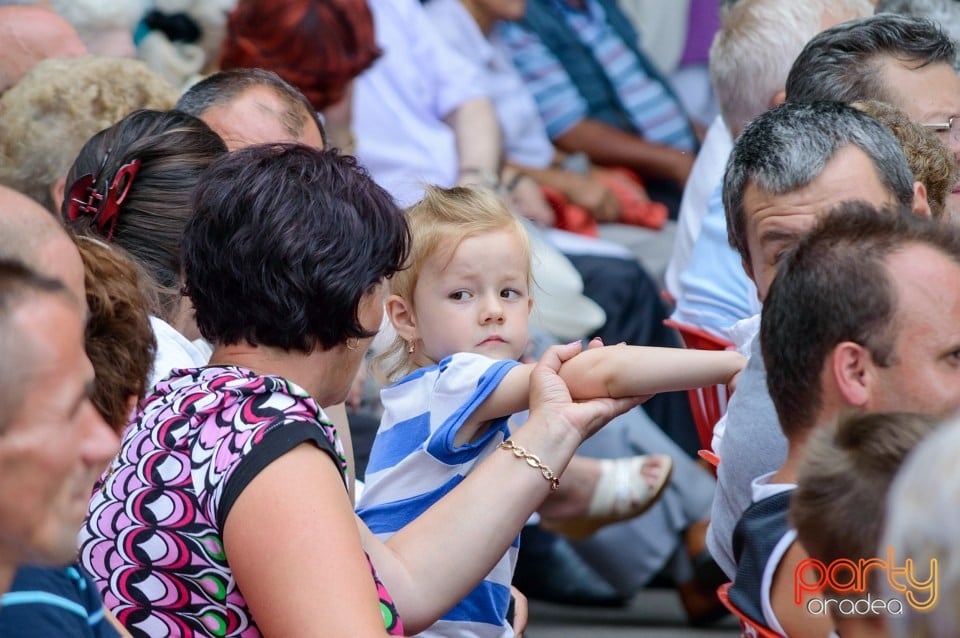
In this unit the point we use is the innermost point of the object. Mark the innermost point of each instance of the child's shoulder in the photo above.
(456, 369)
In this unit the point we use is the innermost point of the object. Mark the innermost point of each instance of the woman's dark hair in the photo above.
(285, 241)
(173, 149)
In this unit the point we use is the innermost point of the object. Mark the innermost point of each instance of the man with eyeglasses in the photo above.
(903, 60)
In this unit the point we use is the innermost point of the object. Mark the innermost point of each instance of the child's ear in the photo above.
(401, 316)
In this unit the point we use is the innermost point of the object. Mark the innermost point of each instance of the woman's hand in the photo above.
(550, 398)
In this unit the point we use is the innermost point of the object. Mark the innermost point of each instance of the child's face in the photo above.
(477, 302)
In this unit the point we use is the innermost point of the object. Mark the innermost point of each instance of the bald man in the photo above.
(31, 34)
(31, 235)
(53, 442)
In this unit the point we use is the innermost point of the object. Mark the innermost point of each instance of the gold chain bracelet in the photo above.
(533, 461)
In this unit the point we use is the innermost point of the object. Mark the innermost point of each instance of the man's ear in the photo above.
(400, 313)
(921, 206)
(57, 189)
(851, 368)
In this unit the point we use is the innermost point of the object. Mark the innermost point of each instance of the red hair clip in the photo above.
(86, 201)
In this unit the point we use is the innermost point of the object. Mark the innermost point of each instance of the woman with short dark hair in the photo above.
(226, 512)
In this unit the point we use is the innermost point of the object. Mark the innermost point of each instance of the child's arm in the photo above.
(630, 371)
(613, 371)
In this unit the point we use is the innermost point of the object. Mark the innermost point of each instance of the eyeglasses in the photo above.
(948, 131)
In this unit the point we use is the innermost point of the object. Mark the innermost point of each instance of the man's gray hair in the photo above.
(753, 51)
(945, 12)
(844, 62)
(786, 148)
(223, 87)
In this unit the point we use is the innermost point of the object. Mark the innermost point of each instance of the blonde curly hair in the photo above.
(931, 163)
(61, 103)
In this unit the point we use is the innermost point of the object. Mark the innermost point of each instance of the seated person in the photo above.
(33, 34)
(719, 312)
(707, 280)
(303, 241)
(825, 153)
(156, 157)
(581, 194)
(888, 57)
(931, 162)
(47, 599)
(61, 103)
(839, 507)
(621, 114)
(846, 327)
(460, 309)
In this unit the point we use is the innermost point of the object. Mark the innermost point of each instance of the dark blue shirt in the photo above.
(46, 601)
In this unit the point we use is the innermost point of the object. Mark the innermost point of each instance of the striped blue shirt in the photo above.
(48, 601)
(652, 109)
(415, 461)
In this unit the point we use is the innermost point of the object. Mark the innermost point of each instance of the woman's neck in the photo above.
(307, 370)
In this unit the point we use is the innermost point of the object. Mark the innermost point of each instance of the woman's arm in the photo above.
(338, 416)
(291, 539)
(583, 190)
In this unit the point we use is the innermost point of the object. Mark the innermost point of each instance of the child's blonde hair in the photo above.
(440, 221)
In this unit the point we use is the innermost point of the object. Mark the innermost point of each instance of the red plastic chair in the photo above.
(708, 404)
(748, 627)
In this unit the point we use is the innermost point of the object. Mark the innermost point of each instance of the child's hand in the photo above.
(732, 383)
(742, 361)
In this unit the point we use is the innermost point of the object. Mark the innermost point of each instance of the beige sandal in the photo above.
(621, 494)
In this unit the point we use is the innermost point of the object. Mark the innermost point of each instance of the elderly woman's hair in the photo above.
(932, 163)
(318, 46)
(60, 104)
(173, 149)
(744, 81)
(284, 243)
(119, 340)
